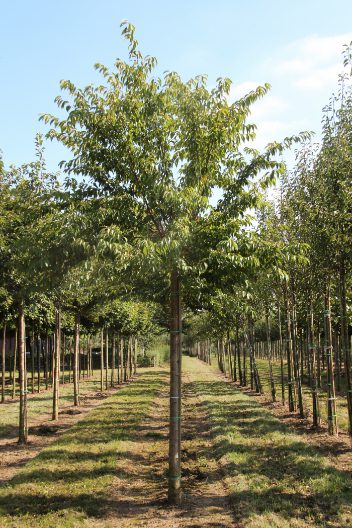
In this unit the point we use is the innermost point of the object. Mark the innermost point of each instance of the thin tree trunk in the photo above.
(135, 348)
(76, 360)
(14, 366)
(174, 488)
(234, 352)
(281, 356)
(32, 361)
(345, 344)
(268, 340)
(332, 420)
(118, 358)
(23, 424)
(312, 354)
(102, 360)
(57, 352)
(244, 350)
(130, 357)
(296, 359)
(3, 359)
(239, 357)
(47, 362)
(125, 358)
(106, 358)
(290, 383)
(38, 347)
(63, 359)
(113, 359)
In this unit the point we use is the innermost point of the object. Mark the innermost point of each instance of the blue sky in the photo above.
(295, 46)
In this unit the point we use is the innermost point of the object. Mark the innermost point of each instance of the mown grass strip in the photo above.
(67, 484)
(341, 401)
(41, 403)
(274, 478)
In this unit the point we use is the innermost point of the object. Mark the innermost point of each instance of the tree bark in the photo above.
(296, 368)
(32, 360)
(174, 491)
(14, 366)
(268, 340)
(313, 362)
(290, 382)
(3, 358)
(102, 359)
(281, 356)
(57, 352)
(106, 358)
(345, 344)
(23, 424)
(332, 421)
(76, 360)
(113, 359)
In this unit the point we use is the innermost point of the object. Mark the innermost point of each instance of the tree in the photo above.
(163, 146)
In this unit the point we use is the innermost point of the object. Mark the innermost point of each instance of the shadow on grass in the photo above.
(75, 472)
(271, 470)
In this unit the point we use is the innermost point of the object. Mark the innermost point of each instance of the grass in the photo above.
(41, 403)
(341, 401)
(275, 479)
(68, 483)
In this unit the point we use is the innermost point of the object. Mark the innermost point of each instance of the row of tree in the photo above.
(301, 296)
(157, 208)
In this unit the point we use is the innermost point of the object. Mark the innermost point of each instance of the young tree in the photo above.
(162, 146)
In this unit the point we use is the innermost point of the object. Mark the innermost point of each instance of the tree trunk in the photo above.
(129, 357)
(102, 360)
(290, 383)
(313, 362)
(38, 347)
(14, 366)
(332, 421)
(57, 352)
(345, 344)
(268, 340)
(244, 350)
(296, 359)
(63, 359)
(3, 359)
(124, 358)
(118, 355)
(113, 359)
(69, 360)
(32, 360)
(47, 362)
(239, 357)
(76, 361)
(106, 358)
(281, 356)
(135, 351)
(23, 425)
(174, 490)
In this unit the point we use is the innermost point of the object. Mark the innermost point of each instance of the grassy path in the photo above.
(242, 467)
(341, 401)
(274, 477)
(40, 404)
(70, 480)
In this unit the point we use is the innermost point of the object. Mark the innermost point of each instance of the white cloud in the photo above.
(303, 76)
(311, 63)
(268, 106)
